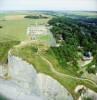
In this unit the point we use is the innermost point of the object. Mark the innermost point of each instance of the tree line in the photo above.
(73, 33)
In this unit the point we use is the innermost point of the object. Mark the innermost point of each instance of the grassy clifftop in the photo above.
(38, 55)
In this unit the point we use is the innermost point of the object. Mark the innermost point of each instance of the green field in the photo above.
(14, 31)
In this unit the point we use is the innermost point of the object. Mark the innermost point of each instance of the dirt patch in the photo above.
(14, 17)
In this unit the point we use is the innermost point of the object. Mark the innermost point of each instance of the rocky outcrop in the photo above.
(25, 83)
(85, 93)
(51, 89)
(23, 74)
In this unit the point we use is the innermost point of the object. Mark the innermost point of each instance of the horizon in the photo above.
(51, 10)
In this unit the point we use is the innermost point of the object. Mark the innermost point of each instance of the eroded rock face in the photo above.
(23, 74)
(26, 83)
(52, 89)
(85, 93)
(12, 91)
(3, 71)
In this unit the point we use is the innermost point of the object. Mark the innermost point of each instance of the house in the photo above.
(87, 56)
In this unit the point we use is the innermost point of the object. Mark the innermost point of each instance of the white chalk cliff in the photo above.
(26, 84)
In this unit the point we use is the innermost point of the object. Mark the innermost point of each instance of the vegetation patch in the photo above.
(4, 48)
(36, 17)
(72, 33)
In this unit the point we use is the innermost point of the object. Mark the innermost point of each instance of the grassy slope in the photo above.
(4, 48)
(41, 66)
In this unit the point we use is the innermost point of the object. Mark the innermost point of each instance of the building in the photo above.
(87, 56)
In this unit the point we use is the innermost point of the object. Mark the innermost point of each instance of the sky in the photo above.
(88, 5)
